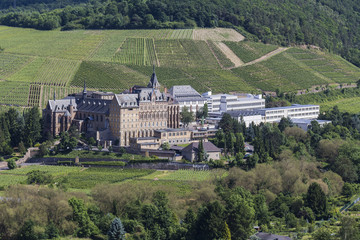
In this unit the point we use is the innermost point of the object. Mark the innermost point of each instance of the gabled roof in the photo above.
(62, 105)
(208, 147)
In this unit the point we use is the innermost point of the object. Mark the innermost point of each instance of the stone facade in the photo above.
(134, 113)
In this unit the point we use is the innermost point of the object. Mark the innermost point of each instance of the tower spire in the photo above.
(153, 80)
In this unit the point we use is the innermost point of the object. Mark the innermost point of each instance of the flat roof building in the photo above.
(228, 102)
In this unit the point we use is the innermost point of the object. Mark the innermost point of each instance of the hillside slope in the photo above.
(331, 24)
(35, 64)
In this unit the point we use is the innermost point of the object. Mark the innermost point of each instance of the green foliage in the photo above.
(211, 222)
(32, 130)
(348, 190)
(186, 116)
(38, 177)
(349, 228)
(86, 227)
(11, 164)
(67, 142)
(51, 231)
(317, 201)
(116, 231)
(22, 148)
(165, 146)
(27, 231)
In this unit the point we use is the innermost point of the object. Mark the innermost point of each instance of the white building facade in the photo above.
(228, 102)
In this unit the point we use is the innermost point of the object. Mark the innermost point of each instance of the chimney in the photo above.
(130, 90)
(165, 90)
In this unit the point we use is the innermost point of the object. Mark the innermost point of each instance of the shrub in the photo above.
(11, 164)
(38, 177)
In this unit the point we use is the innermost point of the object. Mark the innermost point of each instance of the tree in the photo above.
(165, 146)
(201, 152)
(186, 116)
(205, 110)
(284, 123)
(27, 231)
(91, 142)
(226, 123)
(22, 148)
(11, 164)
(316, 200)
(32, 130)
(51, 231)
(38, 177)
(261, 210)
(348, 190)
(322, 234)
(86, 227)
(349, 229)
(210, 223)
(116, 231)
(67, 142)
(239, 145)
(240, 216)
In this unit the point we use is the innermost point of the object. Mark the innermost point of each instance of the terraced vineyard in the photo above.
(14, 93)
(35, 64)
(137, 51)
(331, 66)
(185, 53)
(224, 61)
(10, 63)
(103, 75)
(249, 51)
(282, 72)
(351, 105)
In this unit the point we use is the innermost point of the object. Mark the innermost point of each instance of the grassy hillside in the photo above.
(34, 64)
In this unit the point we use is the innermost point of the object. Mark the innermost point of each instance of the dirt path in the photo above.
(229, 54)
(266, 56)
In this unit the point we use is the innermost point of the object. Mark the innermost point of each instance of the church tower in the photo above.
(153, 81)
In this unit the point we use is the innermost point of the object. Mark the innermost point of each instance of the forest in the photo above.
(329, 24)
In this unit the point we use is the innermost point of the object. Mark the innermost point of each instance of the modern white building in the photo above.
(187, 96)
(227, 102)
(295, 112)
(247, 116)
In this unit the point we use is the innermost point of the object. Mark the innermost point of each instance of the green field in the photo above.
(35, 64)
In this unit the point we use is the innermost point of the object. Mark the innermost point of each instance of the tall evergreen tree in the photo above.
(316, 200)
(32, 130)
(201, 152)
(239, 145)
(116, 231)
